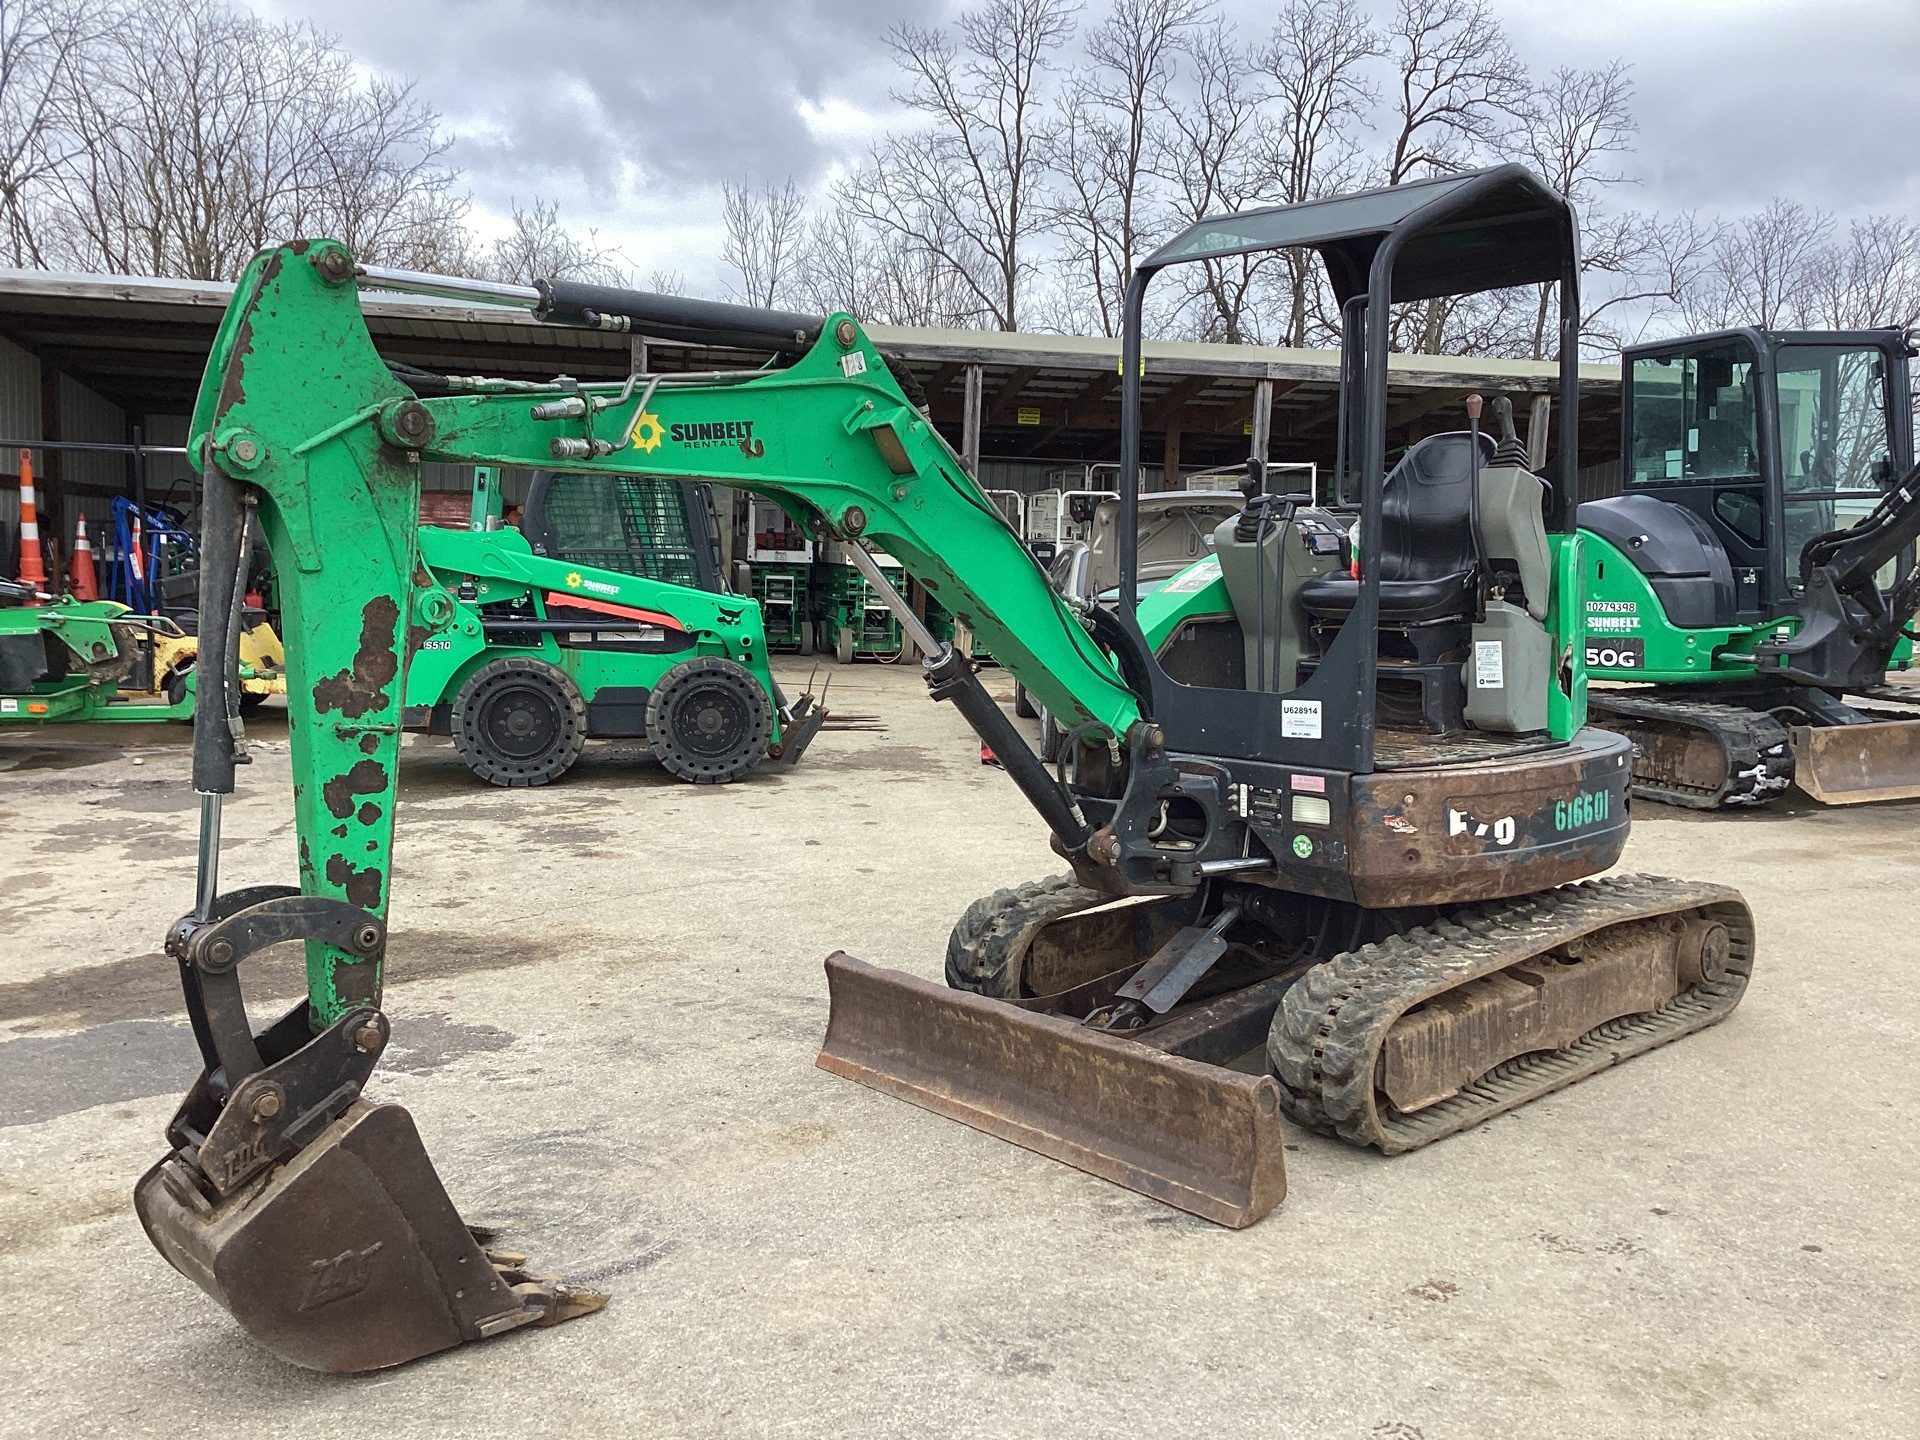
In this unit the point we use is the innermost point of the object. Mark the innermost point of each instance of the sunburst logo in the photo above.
(573, 580)
(648, 432)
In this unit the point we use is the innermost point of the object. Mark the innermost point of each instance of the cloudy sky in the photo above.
(630, 113)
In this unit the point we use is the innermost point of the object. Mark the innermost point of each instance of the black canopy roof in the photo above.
(1478, 230)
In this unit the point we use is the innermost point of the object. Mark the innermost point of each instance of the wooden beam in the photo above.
(970, 422)
(1090, 404)
(1425, 402)
(1009, 392)
(1262, 420)
(938, 383)
(1167, 408)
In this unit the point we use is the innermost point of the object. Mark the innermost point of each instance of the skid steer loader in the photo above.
(1317, 813)
(586, 622)
(1754, 580)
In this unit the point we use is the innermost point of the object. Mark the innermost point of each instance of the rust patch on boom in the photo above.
(363, 688)
(367, 777)
(361, 887)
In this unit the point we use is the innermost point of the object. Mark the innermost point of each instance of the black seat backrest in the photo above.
(1426, 516)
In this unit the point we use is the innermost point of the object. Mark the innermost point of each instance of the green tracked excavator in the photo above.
(1753, 583)
(1329, 824)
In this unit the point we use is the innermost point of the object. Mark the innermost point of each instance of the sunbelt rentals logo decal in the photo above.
(650, 432)
(577, 581)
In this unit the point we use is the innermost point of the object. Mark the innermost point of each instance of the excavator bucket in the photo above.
(1853, 764)
(348, 1257)
(1197, 1136)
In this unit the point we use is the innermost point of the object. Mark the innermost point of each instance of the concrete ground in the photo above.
(607, 998)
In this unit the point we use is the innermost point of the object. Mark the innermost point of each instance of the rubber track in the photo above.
(997, 928)
(1327, 1034)
(1758, 760)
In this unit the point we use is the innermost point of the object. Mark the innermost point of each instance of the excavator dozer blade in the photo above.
(1852, 764)
(1201, 1138)
(349, 1256)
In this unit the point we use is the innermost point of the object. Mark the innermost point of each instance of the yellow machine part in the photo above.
(262, 654)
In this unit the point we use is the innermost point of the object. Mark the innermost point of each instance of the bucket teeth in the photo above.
(349, 1256)
(557, 1302)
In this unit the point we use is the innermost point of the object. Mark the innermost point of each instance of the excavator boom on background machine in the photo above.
(1320, 816)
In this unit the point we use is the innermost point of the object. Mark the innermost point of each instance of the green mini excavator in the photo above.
(1754, 580)
(1329, 815)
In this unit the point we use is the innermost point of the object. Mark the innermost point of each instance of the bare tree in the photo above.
(877, 275)
(1316, 57)
(539, 247)
(1653, 263)
(766, 233)
(200, 133)
(1869, 280)
(1760, 270)
(1572, 128)
(376, 178)
(963, 186)
(1456, 84)
(1103, 213)
(1212, 157)
(41, 44)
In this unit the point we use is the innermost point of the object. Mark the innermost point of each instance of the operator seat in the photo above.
(1426, 555)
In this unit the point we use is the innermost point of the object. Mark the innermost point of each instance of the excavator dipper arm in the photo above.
(311, 1214)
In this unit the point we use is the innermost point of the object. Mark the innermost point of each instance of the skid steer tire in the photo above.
(519, 721)
(1023, 705)
(1049, 737)
(987, 949)
(709, 721)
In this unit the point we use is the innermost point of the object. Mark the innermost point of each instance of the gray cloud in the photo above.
(629, 115)
(1738, 102)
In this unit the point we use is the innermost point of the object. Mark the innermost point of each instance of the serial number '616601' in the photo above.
(1586, 808)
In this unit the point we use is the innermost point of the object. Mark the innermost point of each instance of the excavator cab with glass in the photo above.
(1754, 578)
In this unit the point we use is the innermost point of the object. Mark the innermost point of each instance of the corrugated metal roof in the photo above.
(142, 343)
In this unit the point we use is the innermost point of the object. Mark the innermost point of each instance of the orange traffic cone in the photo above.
(33, 570)
(80, 571)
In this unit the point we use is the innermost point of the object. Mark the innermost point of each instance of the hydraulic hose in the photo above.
(223, 524)
(674, 317)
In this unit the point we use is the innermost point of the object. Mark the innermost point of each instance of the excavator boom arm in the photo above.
(300, 418)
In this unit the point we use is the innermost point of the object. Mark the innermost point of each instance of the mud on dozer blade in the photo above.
(1854, 764)
(1333, 862)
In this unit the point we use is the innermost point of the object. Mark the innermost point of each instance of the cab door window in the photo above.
(1694, 417)
(1836, 450)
